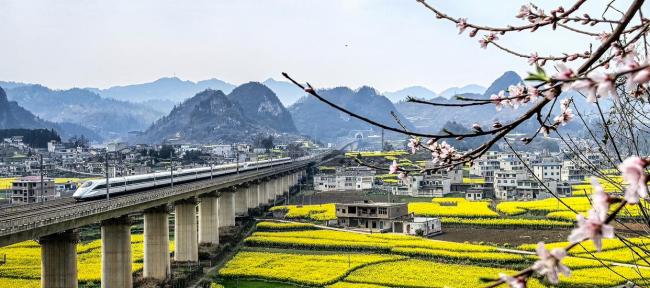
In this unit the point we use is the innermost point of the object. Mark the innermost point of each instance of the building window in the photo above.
(383, 211)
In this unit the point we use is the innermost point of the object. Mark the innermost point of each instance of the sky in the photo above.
(387, 44)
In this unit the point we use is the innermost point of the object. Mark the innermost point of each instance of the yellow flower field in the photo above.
(23, 267)
(305, 269)
(281, 226)
(314, 212)
(507, 223)
(420, 273)
(452, 207)
(586, 189)
(422, 262)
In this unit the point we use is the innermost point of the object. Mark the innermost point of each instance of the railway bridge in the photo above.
(200, 209)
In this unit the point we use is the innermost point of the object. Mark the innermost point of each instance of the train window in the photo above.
(87, 184)
(103, 186)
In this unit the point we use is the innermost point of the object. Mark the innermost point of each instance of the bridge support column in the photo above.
(252, 197)
(116, 253)
(209, 219)
(156, 243)
(186, 243)
(59, 260)
(241, 201)
(261, 200)
(227, 208)
(269, 196)
(285, 184)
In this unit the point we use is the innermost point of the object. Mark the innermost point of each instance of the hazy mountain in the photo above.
(169, 89)
(13, 115)
(502, 83)
(107, 117)
(260, 104)
(322, 122)
(287, 92)
(208, 117)
(413, 91)
(11, 84)
(467, 89)
(427, 118)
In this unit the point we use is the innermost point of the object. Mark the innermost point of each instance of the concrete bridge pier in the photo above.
(268, 188)
(156, 243)
(186, 243)
(241, 201)
(116, 253)
(252, 196)
(227, 208)
(59, 260)
(261, 200)
(209, 219)
(285, 184)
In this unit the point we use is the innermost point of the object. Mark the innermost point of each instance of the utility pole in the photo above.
(108, 185)
(42, 186)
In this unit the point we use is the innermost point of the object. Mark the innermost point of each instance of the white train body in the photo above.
(93, 189)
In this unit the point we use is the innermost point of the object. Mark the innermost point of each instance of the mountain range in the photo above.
(318, 120)
(245, 110)
(13, 115)
(107, 117)
(424, 93)
(212, 117)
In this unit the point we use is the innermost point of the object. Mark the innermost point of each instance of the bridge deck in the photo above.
(33, 221)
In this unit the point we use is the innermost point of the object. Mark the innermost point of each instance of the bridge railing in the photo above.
(83, 209)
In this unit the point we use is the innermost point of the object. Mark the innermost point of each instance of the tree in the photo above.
(265, 142)
(610, 75)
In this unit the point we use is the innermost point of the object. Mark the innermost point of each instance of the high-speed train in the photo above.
(93, 189)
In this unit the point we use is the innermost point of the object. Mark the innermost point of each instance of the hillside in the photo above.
(208, 117)
(322, 122)
(260, 104)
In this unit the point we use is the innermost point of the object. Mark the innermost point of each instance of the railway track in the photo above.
(30, 216)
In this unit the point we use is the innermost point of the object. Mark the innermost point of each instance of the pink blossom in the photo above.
(414, 144)
(604, 83)
(393, 167)
(572, 57)
(524, 11)
(598, 84)
(500, 100)
(564, 73)
(564, 104)
(641, 77)
(461, 25)
(533, 93)
(516, 91)
(533, 58)
(442, 152)
(565, 117)
(586, 87)
(603, 36)
(549, 263)
(599, 199)
(593, 228)
(513, 282)
(487, 39)
(633, 170)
